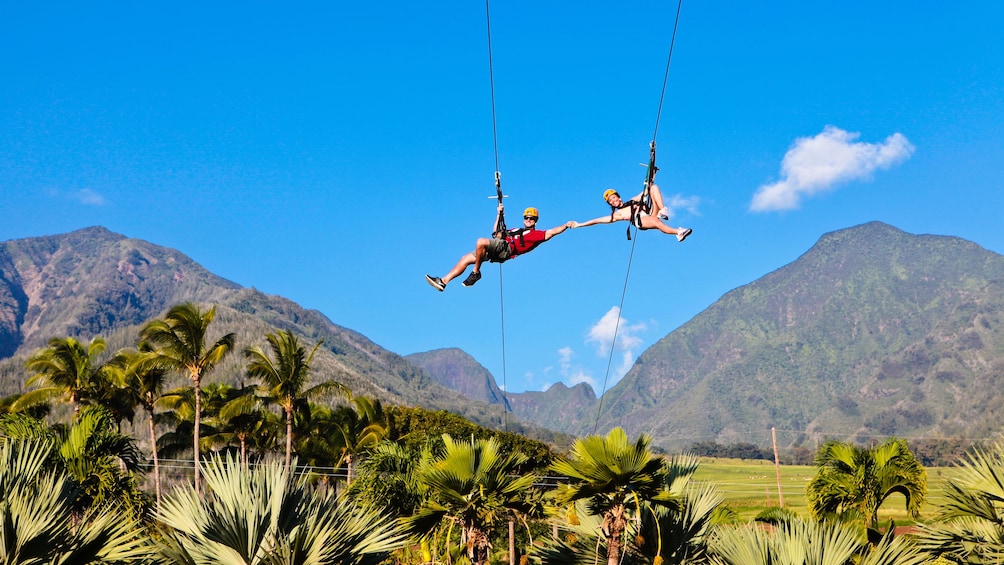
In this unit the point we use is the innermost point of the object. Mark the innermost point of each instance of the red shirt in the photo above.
(524, 241)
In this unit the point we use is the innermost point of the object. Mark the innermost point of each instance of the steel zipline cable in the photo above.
(501, 224)
(634, 240)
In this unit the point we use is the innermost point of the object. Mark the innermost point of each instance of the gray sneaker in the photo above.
(436, 282)
(682, 233)
(472, 278)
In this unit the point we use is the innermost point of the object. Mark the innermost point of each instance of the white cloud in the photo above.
(571, 372)
(628, 341)
(676, 202)
(816, 164)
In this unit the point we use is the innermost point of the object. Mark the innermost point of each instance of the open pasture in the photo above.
(750, 486)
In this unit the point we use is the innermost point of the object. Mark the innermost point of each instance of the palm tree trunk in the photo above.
(614, 523)
(477, 545)
(195, 434)
(156, 462)
(244, 450)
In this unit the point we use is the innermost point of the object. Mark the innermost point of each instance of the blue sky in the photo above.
(335, 153)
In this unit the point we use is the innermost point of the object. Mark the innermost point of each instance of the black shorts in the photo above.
(499, 251)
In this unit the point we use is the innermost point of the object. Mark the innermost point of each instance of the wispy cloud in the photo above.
(816, 164)
(678, 202)
(84, 196)
(602, 335)
(573, 373)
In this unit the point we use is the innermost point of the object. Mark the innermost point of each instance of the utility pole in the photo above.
(777, 466)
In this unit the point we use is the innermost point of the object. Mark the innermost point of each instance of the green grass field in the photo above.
(750, 486)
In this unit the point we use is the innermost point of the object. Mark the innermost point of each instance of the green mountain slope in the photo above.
(94, 282)
(872, 331)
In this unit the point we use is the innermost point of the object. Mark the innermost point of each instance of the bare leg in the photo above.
(656, 195)
(480, 253)
(460, 267)
(651, 222)
(475, 258)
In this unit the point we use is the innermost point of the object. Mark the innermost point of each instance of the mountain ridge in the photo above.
(93, 281)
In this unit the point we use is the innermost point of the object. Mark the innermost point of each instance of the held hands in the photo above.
(573, 224)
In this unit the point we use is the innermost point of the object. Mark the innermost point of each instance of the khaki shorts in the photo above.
(499, 251)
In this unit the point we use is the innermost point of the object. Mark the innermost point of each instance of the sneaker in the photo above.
(436, 282)
(682, 233)
(472, 278)
(664, 213)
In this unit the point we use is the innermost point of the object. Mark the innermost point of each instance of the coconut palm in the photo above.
(36, 515)
(241, 416)
(177, 417)
(284, 378)
(970, 528)
(142, 381)
(66, 368)
(858, 478)
(263, 516)
(360, 428)
(475, 487)
(617, 478)
(180, 342)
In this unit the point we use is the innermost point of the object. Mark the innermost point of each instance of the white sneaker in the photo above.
(682, 233)
(664, 213)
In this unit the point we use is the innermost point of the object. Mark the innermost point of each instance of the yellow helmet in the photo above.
(608, 193)
(531, 211)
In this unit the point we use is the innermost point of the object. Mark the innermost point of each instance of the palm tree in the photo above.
(617, 478)
(474, 486)
(180, 341)
(971, 524)
(360, 428)
(858, 478)
(285, 378)
(142, 381)
(264, 516)
(37, 522)
(663, 533)
(241, 415)
(67, 368)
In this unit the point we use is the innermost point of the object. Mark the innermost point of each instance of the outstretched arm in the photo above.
(556, 230)
(594, 221)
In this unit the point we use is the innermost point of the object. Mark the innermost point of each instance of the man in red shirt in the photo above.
(500, 248)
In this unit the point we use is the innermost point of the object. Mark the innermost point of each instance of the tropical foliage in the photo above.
(180, 342)
(39, 522)
(971, 525)
(263, 515)
(66, 368)
(285, 376)
(618, 479)
(473, 486)
(667, 533)
(404, 491)
(856, 478)
(800, 542)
